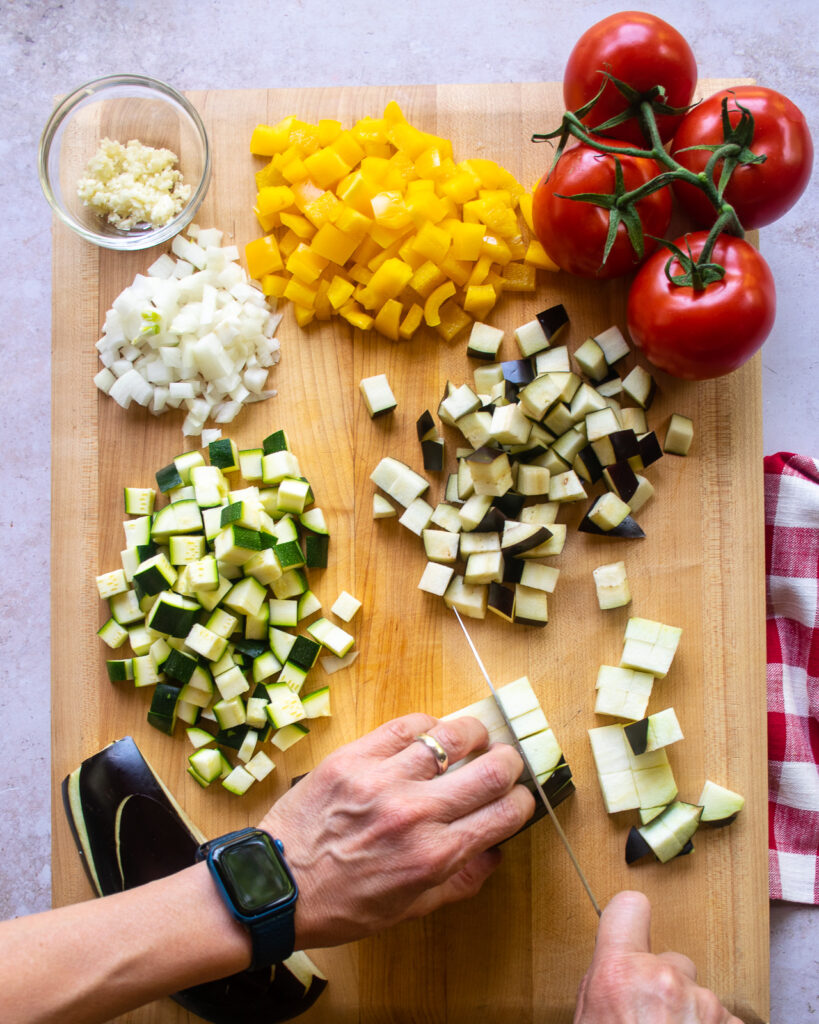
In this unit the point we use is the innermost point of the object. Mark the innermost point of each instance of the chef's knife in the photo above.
(529, 769)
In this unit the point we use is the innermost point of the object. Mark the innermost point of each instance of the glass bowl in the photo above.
(121, 107)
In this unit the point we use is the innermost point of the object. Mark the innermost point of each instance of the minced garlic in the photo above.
(133, 184)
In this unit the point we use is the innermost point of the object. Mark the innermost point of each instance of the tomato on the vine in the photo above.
(574, 232)
(698, 335)
(639, 49)
(760, 193)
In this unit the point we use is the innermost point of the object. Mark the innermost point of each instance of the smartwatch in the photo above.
(258, 888)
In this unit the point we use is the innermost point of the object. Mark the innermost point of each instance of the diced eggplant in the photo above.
(611, 584)
(513, 570)
(129, 830)
(587, 465)
(628, 528)
(553, 359)
(377, 394)
(492, 520)
(432, 450)
(621, 479)
(668, 835)
(501, 601)
(636, 846)
(531, 338)
(624, 444)
(425, 426)
(679, 435)
(518, 537)
(613, 344)
(490, 470)
(518, 372)
(509, 504)
(553, 320)
(650, 451)
(484, 341)
(654, 733)
(591, 359)
(436, 578)
(531, 606)
(720, 806)
(640, 386)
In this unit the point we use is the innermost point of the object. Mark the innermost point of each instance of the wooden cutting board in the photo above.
(518, 951)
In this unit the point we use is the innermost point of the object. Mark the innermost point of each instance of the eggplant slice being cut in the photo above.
(130, 830)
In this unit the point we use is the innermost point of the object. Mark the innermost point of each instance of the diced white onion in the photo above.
(192, 332)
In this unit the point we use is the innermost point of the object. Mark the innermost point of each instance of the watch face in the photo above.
(255, 875)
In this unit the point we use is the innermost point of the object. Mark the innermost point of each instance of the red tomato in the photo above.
(760, 193)
(697, 335)
(574, 233)
(642, 51)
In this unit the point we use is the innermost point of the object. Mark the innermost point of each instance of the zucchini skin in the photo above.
(124, 808)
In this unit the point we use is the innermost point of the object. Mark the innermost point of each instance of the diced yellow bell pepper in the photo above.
(401, 166)
(426, 278)
(356, 192)
(348, 148)
(274, 199)
(420, 185)
(457, 270)
(389, 210)
(412, 321)
(389, 280)
(453, 321)
(325, 167)
(267, 140)
(519, 277)
(431, 242)
(391, 251)
(425, 206)
(480, 270)
(351, 222)
(479, 300)
(360, 273)
(467, 240)
(408, 254)
(305, 263)
(262, 256)
(393, 114)
(328, 131)
(388, 318)
(322, 210)
(517, 247)
(339, 291)
(305, 137)
(462, 187)
(496, 248)
(369, 130)
(288, 243)
(322, 305)
(428, 164)
(538, 257)
(386, 237)
(267, 223)
(300, 293)
(295, 170)
(333, 245)
(303, 314)
(304, 193)
(367, 249)
(268, 175)
(300, 226)
(525, 206)
(487, 171)
(434, 302)
(273, 285)
(355, 315)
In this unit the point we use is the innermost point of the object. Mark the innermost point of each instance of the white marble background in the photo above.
(48, 48)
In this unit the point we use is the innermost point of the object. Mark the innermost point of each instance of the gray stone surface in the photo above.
(49, 48)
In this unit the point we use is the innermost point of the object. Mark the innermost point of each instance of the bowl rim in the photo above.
(96, 87)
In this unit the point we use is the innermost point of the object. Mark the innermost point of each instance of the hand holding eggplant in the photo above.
(626, 982)
(375, 835)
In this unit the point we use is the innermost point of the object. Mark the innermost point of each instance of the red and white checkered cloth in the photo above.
(792, 567)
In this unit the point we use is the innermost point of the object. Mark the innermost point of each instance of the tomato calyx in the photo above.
(735, 149)
(696, 273)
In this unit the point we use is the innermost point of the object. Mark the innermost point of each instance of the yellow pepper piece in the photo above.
(268, 175)
(525, 206)
(356, 316)
(486, 171)
(389, 210)
(295, 170)
(303, 314)
(328, 131)
(462, 187)
(425, 206)
(412, 321)
(333, 245)
(288, 243)
(456, 270)
(453, 321)
(389, 280)
(434, 302)
(274, 199)
(408, 254)
(519, 277)
(479, 300)
(426, 278)
(323, 209)
(369, 130)
(339, 291)
(267, 140)
(305, 137)
(348, 148)
(262, 256)
(392, 250)
(480, 271)
(393, 114)
(467, 240)
(304, 193)
(356, 192)
(386, 237)
(538, 257)
(360, 274)
(322, 304)
(497, 249)
(428, 163)
(388, 318)
(325, 167)
(300, 293)
(431, 242)
(273, 285)
(300, 226)
(517, 247)
(352, 223)
(305, 263)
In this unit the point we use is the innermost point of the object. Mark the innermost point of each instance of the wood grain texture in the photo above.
(517, 951)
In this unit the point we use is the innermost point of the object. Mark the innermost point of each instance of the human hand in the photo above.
(627, 983)
(374, 836)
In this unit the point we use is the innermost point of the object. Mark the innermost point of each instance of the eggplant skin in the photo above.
(129, 831)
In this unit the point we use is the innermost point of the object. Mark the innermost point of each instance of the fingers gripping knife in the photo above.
(528, 766)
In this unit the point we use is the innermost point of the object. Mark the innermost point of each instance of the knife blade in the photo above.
(528, 765)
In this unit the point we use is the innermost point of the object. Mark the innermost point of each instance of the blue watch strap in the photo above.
(272, 930)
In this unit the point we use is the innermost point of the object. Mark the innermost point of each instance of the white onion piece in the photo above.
(191, 333)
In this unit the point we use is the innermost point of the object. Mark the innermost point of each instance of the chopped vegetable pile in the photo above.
(379, 225)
